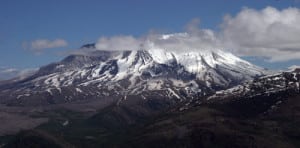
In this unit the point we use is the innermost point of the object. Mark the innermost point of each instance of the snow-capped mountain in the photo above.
(142, 73)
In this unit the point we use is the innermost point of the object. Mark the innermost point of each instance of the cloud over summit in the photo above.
(193, 38)
(269, 32)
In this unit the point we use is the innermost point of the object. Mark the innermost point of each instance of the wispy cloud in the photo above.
(119, 43)
(194, 38)
(294, 67)
(39, 45)
(8, 73)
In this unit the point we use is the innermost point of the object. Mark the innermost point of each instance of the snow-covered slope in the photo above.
(271, 84)
(143, 73)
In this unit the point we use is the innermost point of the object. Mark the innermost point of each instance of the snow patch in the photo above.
(79, 90)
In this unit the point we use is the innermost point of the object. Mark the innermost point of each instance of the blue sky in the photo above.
(84, 21)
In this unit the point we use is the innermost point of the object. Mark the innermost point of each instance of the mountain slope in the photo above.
(257, 117)
(262, 112)
(143, 73)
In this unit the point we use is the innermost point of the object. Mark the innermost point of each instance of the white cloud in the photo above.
(8, 73)
(193, 39)
(44, 43)
(37, 46)
(294, 67)
(119, 43)
(9, 70)
(269, 32)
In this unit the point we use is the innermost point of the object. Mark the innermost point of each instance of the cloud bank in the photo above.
(269, 32)
(38, 46)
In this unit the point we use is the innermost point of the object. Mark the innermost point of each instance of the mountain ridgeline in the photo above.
(154, 73)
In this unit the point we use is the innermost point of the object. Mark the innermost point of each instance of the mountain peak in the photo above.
(144, 73)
